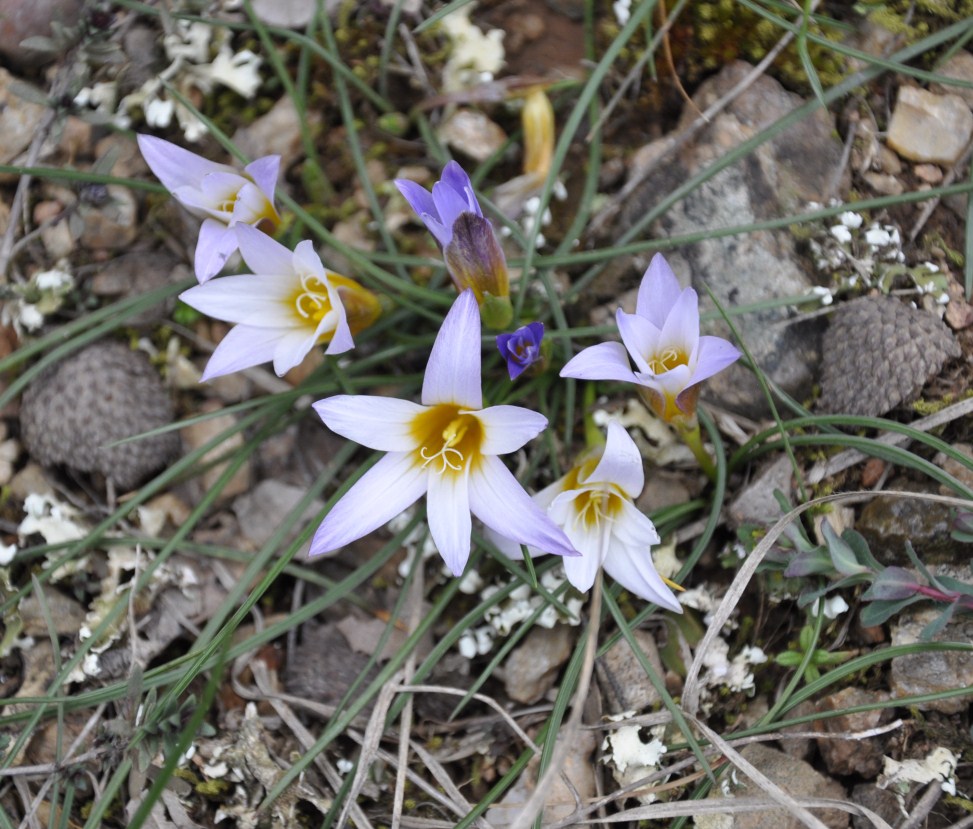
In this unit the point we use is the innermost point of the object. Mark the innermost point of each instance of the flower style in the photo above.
(662, 337)
(522, 348)
(290, 304)
(446, 447)
(220, 195)
(593, 504)
(470, 247)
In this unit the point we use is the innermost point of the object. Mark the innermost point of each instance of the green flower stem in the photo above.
(691, 436)
(592, 434)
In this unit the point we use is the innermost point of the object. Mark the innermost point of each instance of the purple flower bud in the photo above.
(522, 348)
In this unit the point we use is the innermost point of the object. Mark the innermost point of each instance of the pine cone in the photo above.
(74, 411)
(879, 352)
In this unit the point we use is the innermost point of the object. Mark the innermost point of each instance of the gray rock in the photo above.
(881, 801)
(780, 176)
(888, 523)
(623, 683)
(862, 757)
(927, 671)
(794, 776)
(959, 66)
(533, 665)
(756, 503)
(22, 19)
(19, 118)
(105, 392)
(137, 273)
(278, 132)
(260, 511)
(929, 127)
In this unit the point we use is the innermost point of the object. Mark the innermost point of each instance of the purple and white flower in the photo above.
(287, 306)
(446, 448)
(522, 348)
(470, 246)
(593, 504)
(222, 196)
(662, 338)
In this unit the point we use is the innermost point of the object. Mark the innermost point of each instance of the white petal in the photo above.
(642, 339)
(507, 428)
(501, 503)
(507, 546)
(241, 348)
(174, 166)
(264, 172)
(450, 524)
(377, 422)
(291, 350)
(589, 541)
(253, 300)
(605, 361)
(262, 254)
(453, 371)
(388, 488)
(621, 462)
(681, 330)
(633, 569)
(658, 291)
(213, 247)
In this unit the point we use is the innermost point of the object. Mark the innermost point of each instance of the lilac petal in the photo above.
(174, 166)
(418, 197)
(670, 383)
(450, 204)
(216, 243)
(507, 428)
(377, 422)
(633, 569)
(456, 179)
(681, 329)
(713, 355)
(252, 300)
(621, 462)
(658, 291)
(501, 503)
(605, 361)
(641, 338)
(252, 206)
(306, 260)
(291, 350)
(264, 172)
(453, 370)
(262, 254)
(242, 347)
(510, 548)
(391, 486)
(450, 523)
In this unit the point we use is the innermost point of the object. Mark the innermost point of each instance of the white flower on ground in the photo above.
(290, 304)
(593, 504)
(220, 195)
(445, 447)
(662, 338)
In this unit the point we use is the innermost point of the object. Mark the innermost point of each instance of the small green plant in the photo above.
(795, 654)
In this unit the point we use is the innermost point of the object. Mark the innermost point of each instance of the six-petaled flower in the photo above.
(446, 447)
(474, 257)
(290, 304)
(662, 338)
(592, 503)
(220, 195)
(522, 348)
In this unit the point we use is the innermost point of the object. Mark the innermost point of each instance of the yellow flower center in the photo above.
(667, 360)
(596, 505)
(311, 302)
(448, 441)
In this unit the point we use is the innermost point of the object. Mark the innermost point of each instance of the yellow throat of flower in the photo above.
(448, 442)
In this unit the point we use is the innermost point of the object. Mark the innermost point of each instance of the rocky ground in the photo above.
(839, 273)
